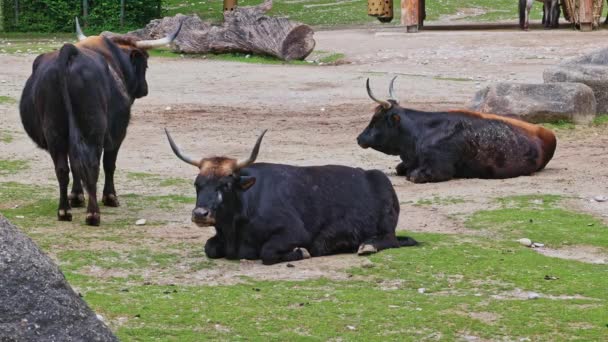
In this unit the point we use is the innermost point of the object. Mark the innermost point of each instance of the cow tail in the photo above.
(82, 156)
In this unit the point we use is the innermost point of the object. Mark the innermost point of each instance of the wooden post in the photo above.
(410, 14)
(586, 15)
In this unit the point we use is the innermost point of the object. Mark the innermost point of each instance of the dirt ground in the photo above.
(314, 114)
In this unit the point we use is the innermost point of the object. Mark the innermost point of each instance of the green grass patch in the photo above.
(541, 219)
(9, 166)
(560, 125)
(601, 120)
(6, 136)
(7, 100)
(316, 58)
(74, 260)
(454, 79)
(436, 200)
(471, 289)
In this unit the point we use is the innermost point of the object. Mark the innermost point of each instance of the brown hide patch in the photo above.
(217, 166)
(546, 136)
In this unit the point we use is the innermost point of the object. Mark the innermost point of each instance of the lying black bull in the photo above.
(438, 146)
(77, 103)
(284, 213)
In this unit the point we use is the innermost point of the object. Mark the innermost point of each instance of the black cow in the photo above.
(438, 146)
(77, 103)
(285, 213)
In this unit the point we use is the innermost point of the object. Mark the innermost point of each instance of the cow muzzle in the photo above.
(361, 141)
(203, 217)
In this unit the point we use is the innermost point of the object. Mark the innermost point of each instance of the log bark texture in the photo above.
(246, 30)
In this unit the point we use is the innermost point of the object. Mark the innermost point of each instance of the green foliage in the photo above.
(58, 15)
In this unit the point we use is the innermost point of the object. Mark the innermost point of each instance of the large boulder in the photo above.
(591, 69)
(36, 302)
(549, 102)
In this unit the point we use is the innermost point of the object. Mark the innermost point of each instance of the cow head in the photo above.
(137, 55)
(218, 184)
(383, 130)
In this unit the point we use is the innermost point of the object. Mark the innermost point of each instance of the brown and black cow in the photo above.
(439, 146)
(77, 104)
(279, 213)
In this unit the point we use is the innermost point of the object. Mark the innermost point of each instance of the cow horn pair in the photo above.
(239, 165)
(391, 94)
(142, 44)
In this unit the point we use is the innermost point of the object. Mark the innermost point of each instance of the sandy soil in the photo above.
(314, 114)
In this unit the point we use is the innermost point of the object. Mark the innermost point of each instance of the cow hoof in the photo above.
(304, 251)
(76, 200)
(366, 249)
(64, 215)
(110, 200)
(93, 219)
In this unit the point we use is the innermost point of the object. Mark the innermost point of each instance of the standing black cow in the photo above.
(77, 103)
(284, 213)
(439, 146)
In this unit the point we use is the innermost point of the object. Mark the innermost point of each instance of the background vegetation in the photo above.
(57, 15)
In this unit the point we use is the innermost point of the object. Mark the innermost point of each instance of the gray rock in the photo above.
(590, 69)
(549, 102)
(36, 302)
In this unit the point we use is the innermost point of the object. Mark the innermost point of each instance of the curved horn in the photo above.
(179, 153)
(79, 33)
(149, 44)
(254, 153)
(385, 104)
(391, 89)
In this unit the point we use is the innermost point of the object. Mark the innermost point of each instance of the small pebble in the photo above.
(100, 317)
(20, 216)
(140, 222)
(600, 198)
(538, 244)
(323, 109)
(167, 108)
(525, 241)
(247, 56)
(351, 327)
(291, 265)
(421, 290)
(533, 295)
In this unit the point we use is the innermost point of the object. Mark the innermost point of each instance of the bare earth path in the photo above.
(314, 114)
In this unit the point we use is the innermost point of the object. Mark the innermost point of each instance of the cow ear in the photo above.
(245, 182)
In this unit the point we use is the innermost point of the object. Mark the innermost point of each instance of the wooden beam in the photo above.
(410, 10)
(586, 15)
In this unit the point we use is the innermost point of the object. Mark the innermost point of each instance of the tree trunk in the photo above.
(245, 30)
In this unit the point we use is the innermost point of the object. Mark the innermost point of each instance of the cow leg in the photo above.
(90, 184)
(376, 244)
(282, 248)
(62, 171)
(214, 248)
(76, 197)
(109, 198)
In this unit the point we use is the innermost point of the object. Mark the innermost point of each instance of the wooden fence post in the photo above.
(410, 10)
(586, 15)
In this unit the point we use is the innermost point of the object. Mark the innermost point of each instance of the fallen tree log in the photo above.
(245, 30)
